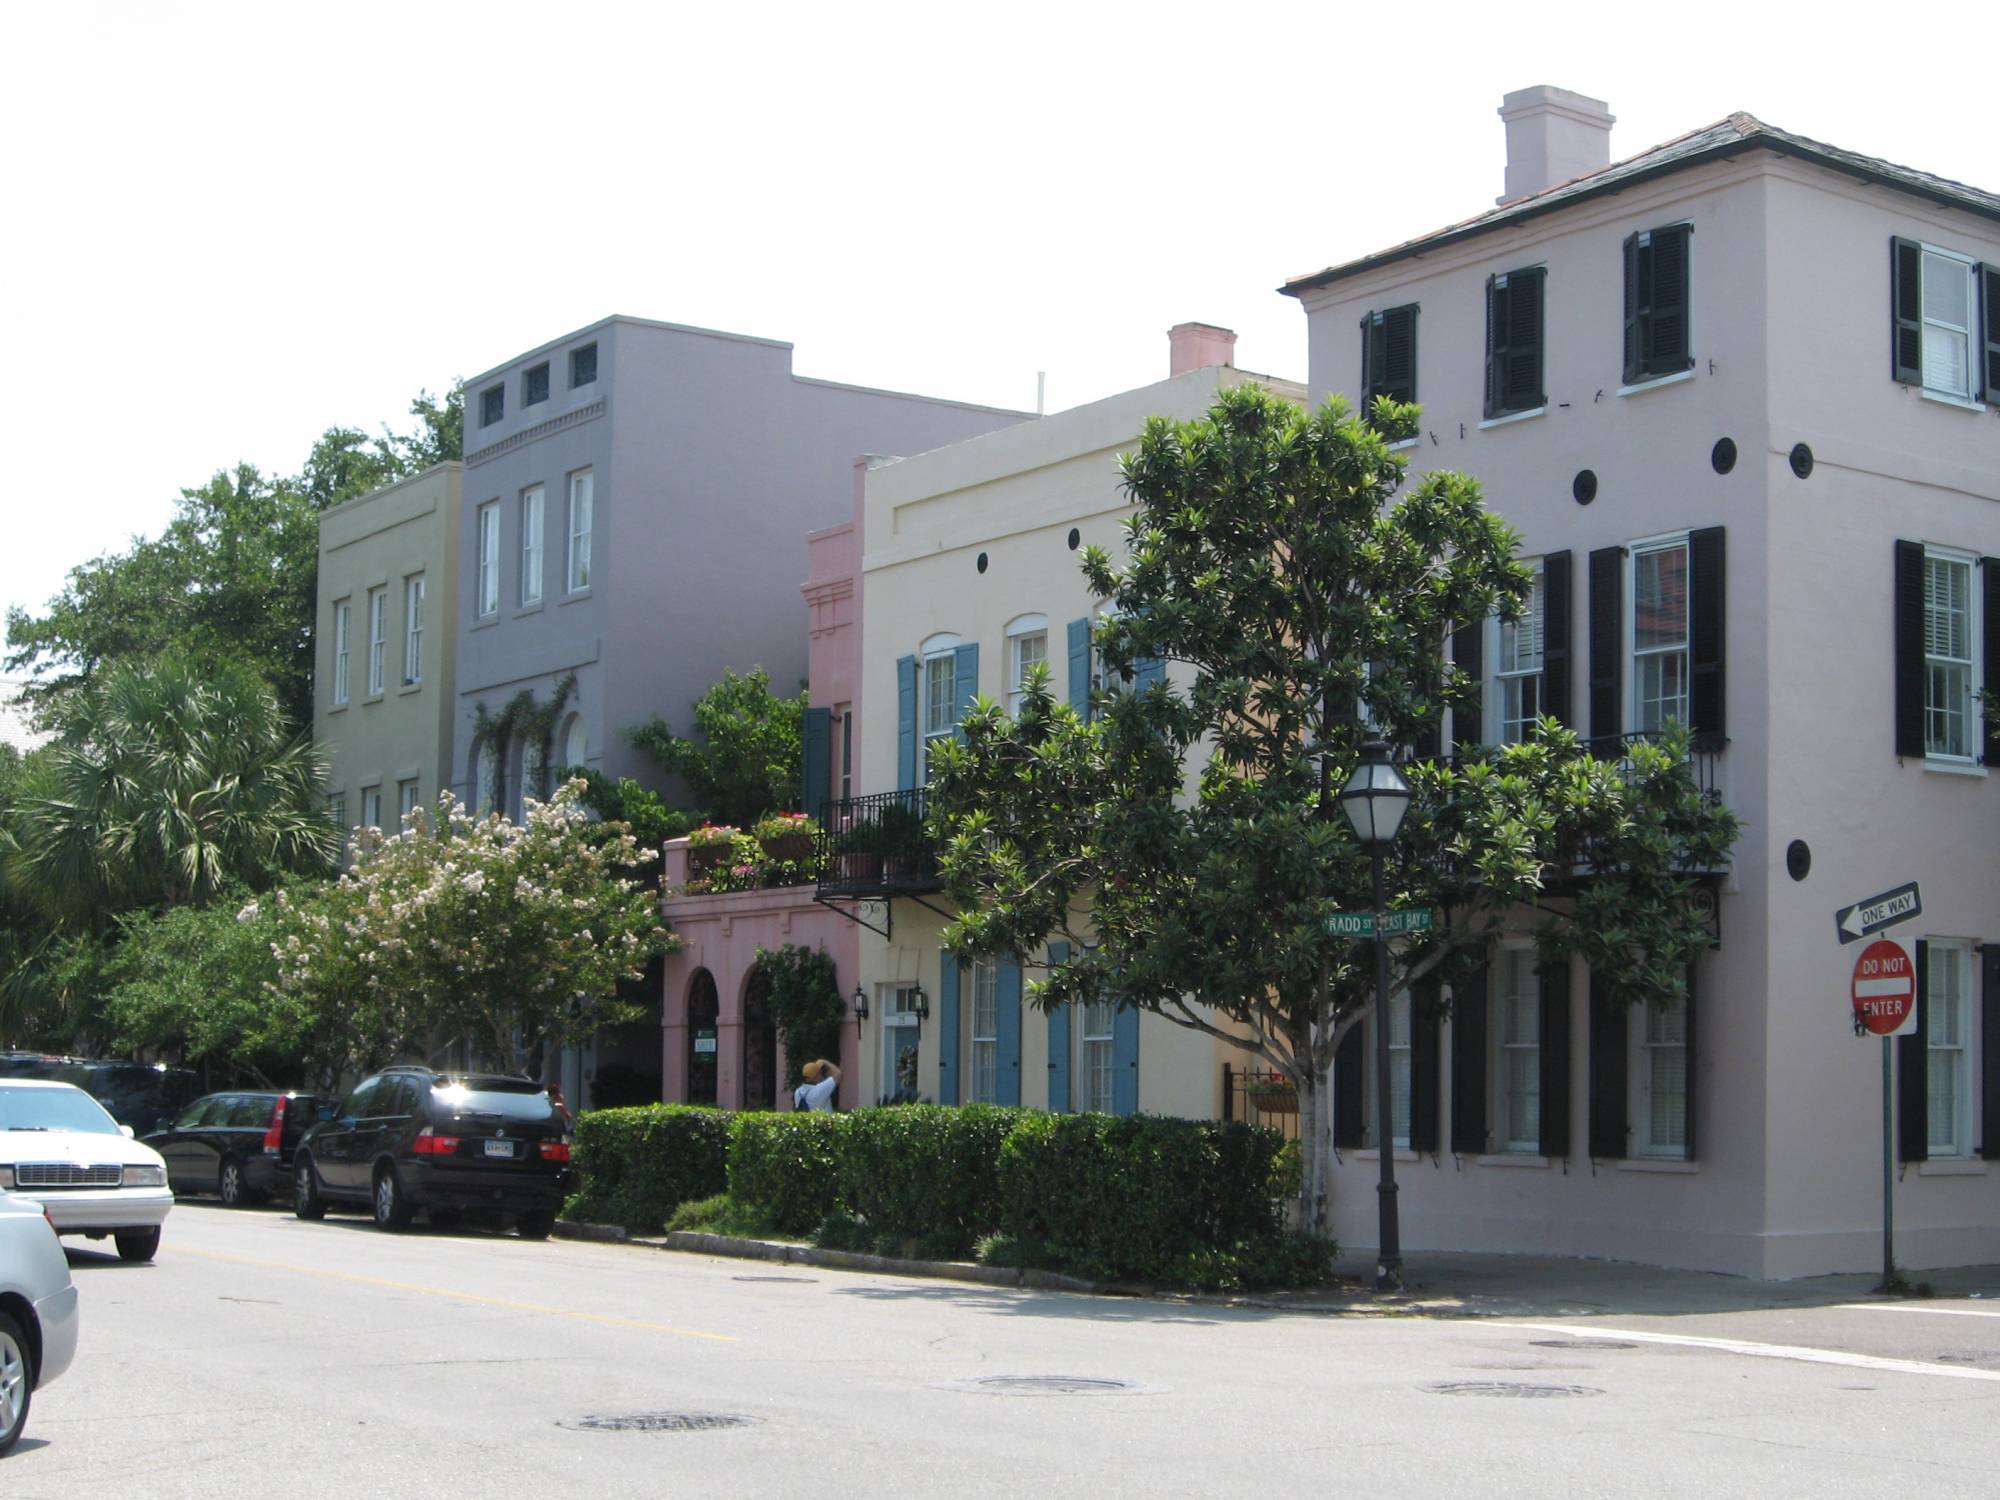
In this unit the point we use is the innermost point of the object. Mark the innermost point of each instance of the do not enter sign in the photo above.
(1885, 987)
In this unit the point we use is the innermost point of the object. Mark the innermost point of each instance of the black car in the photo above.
(456, 1144)
(238, 1145)
(143, 1095)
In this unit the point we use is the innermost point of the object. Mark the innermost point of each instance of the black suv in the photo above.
(238, 1145)
(452, 1143)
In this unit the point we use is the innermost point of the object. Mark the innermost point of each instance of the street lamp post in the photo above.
(1375, 799)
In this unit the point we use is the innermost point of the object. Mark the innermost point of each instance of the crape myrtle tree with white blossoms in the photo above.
(512, 938)
(1303, 605)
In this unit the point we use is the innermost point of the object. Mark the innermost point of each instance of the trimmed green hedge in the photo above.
(638, 1165)
(926, 1174)
(787, 1166)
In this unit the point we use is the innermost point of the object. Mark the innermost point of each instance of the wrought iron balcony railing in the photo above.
(875, 847)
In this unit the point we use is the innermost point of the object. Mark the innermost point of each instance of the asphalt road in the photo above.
(260, 1355)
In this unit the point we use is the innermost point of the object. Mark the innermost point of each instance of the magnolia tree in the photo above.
(511, 937)
(1184, 840)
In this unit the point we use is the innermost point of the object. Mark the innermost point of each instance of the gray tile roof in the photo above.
(1725, 138)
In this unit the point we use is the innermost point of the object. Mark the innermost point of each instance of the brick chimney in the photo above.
(1196, 346)
(1552, 136)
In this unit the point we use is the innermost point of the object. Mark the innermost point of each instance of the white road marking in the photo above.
(1758, 1351)
(1917, 1307)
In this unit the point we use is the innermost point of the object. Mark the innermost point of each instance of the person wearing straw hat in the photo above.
(822, 1082)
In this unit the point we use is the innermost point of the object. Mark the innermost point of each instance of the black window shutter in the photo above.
(1910, 649)
(1555, 638)
(1913, 1103)
(1989, 1050)
(1469, 1007)
(1425, 1058)
(1989, 590)
(1636, 257)
(1496, 345)
(1468, 651)
(1609, 1018)
(1989, 315)
(1524, 340)
(1398, 379)
(818, 769)
(1607, 645)
(1555, 1059)
(1667, 319)
(1350, 1120)
(1705, 633)
(1690, 1077)
(1371, 358)
(1429, 743)
(1906, 325)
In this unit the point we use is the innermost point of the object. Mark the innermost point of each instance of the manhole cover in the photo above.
(775, 1278)
(1519, 1389)
(1047, 1385)
(657, 1421)
(1581, 1344)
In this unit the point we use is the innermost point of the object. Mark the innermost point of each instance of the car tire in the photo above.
(538, 1225)
(229, 1184)
(306, 1200)
(138, 1244)
(392, 1207)
(17, 1383)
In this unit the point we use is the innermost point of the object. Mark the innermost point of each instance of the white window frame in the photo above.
(371, 807)
(1651, 1033)
(1096, 1055)
(378, 638)
(1517, 1052)
(932, 709)
(1967, 709)
(407, 795)
(845, 713)
(532, 509)
(1508, 672)
(343, 609)
(575, 743)
(1635, 697)
(1024, 633)
(982, 1072)
(1948, 1047)
(1968, 333)
(895, 1005)
(413, 630)
(1401, 1053)
(582, 524)
(488, 541)
(485, 778)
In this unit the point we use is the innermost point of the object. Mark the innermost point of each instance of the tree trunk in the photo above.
(1315, 1135)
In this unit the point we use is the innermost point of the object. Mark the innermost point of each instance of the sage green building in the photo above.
(383, 680)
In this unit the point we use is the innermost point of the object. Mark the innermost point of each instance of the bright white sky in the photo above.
(234, 226)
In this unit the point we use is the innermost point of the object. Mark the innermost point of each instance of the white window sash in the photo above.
(1518, 1039)
(531, 546)
(489, 559)
(378, 630)
(340, 627)
(1951, 656)
(1096, 1055)
(1951, 346)
(413, 632)
(1661, 1082)
(582, 503)
(1948, 1049)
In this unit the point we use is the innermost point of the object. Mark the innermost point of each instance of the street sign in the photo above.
(1885, 987)
(1394, 923)
(1856, 922)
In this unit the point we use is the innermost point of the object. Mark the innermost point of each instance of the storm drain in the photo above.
(1964, 1357)
(775, 1278)
(1517, 1389)
(1047, 1385)
(1581, 1345)
(657, 1421)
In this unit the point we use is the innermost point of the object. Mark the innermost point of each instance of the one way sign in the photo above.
(1864, 917)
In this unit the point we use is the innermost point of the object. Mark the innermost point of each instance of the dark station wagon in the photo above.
(458, 1145)
(238, 1145)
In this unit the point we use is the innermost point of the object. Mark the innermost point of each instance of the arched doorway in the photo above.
(704, 1010)
(760, 1043)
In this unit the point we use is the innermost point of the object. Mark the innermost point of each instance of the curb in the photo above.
(571, 1229)
(700, 1243)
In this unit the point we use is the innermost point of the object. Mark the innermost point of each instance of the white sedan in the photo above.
(59, 1148)
(37, 1311)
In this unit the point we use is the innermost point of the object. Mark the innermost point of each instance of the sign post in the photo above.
(1884, 995)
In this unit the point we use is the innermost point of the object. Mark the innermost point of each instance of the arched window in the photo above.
(485, 776)
(573, 746)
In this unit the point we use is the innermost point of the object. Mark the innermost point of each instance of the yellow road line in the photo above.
(436, 1291)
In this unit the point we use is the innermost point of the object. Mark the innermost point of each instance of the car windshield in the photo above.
(511, 1098)
(53, 1109)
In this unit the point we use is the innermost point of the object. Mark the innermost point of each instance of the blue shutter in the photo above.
(1125, 1061)
(818, 761)
(1079, 668)
(1059, 1038)
(965, 684)
(947, 1027)
(1146, 671)
(1007, 1002)
(906, 723)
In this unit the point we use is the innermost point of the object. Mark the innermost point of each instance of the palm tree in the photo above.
(170, 781)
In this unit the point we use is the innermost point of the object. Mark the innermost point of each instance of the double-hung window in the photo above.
(985, 1032)
(1520, 1046)
(1947, 1046)
(1400, 1039)
(940, 701)
(341, 611)
(531, 545)
(1097, 1055)
(489, 558)
(1027, 648)
(378, 635)
(1945, 321)
(1660, 1080)
(1657, 342)
(1389, 355)
(1949, 714)
(582, 501)
(1518, 669)
(371, 807)
(413, 630)
(1659, 635)
(406, 799)
(1514, 303)
(846, 712)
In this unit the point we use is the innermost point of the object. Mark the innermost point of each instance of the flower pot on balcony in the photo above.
(703, 858)
(789, 848)
(1274, 1101)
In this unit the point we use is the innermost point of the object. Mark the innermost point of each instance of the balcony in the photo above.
(875, 847)
(1704, 755)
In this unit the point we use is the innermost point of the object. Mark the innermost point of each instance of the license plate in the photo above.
(499, 1148)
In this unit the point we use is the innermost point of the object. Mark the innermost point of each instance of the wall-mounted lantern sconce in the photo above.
(920, 1004)
(860, 1006)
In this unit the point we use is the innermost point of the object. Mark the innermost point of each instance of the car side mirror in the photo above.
(128, 1132)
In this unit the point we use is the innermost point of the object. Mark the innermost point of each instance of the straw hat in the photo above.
(813, 1071)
